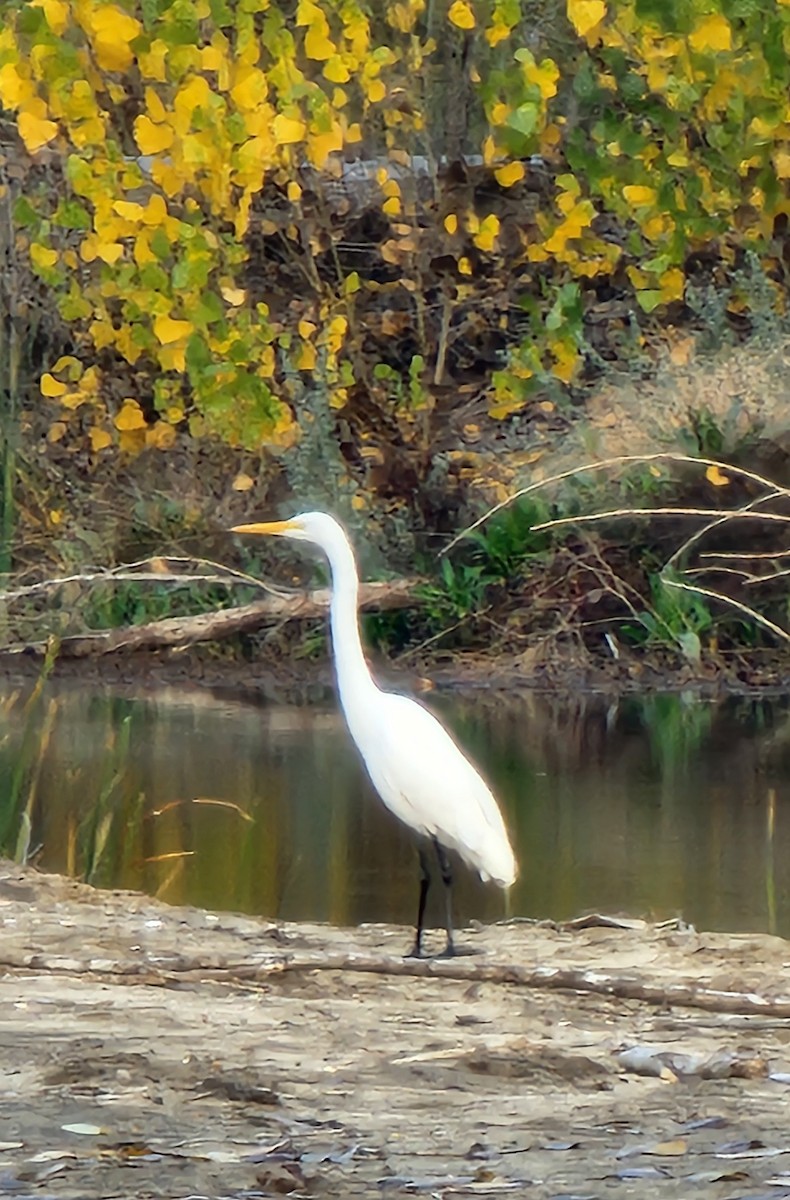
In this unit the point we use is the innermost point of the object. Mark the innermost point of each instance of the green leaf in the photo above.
(160, 244)
(154, 278)
(70, 214)
(25, 214)
(648, 300)
(208, 310)
(524, 119)
(198, 355)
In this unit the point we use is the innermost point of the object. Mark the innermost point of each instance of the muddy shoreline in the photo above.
(147, 1053)
(273, 677)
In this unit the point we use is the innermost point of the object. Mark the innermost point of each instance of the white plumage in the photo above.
(418, 770)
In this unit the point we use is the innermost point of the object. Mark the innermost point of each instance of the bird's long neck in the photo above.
(354, 680)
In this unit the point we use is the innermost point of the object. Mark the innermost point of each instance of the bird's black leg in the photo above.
(425, 883)
(447, 880)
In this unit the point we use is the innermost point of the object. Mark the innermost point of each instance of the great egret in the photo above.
(416, 767)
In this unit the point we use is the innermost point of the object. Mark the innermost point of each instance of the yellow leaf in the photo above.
(464, 266)
(109, 252)
(161, 436)
(152, 62)
(354, 133)
(336, 70)
(781, 161)
(211, 58)
(156, 109)
(100, 439)
(168, 330)
(35, 131)
(155, 212)
(233, 296)
(544, 77)
(584, 15)
(716, 477)
(712, 33)
(174, 357)
(509, 174)
(250, 89)
(376, 91)
(336, 332)
(243, 482)
(306, 328)
(497, 33)
(143, 254)
(43, 256)
(57, 430)
(130, 417)
(306, 357)
(321, 145)
(287, 130)
(673, 285)
(131, 441)
(50, 386)
(56, 14)
(392, 206)
(451, 223)
(128, 210)
(461, 15)
(566, 358)
(71, 365)
(317, 44)
(639, 196)
(15, 88)
(55, 516)
(293, 191)
(486, 236)
(150, 138)
(111, 31)
(499, 113)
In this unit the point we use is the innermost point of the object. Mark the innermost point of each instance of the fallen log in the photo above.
(265, 968)
(177, 632)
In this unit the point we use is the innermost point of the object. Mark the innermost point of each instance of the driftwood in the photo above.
(623, 987)
(205, 627)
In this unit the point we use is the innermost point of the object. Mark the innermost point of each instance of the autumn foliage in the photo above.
(194, 246)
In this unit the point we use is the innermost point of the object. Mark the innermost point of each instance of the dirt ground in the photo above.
(149, 1051)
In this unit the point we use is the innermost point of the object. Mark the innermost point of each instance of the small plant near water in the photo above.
(130, 603)
(499, 552)
(676, 618)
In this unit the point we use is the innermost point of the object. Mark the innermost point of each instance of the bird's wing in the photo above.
(426, 780)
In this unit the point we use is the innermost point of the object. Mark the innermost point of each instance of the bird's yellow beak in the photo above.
(281, 527)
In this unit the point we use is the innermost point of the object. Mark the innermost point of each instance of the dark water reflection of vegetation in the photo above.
(658, 805)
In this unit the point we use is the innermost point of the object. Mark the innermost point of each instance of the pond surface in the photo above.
(655, 806)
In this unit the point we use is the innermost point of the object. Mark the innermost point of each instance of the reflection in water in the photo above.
(658, 805)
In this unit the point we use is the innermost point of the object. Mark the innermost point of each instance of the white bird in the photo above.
(416, 767)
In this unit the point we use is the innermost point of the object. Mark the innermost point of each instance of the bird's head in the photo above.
(316, 527)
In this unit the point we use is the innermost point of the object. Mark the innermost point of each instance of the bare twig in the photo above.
(745, 554)
(149, 570)
(186, 631)
(604, 465)
(722, 519)
(616, 514)
(728, 600)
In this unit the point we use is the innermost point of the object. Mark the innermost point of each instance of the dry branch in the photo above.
(204, 627)
(622, 460)
(621, 987)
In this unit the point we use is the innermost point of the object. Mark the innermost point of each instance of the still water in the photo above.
(655, 806)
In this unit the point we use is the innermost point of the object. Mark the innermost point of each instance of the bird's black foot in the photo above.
(452, 950)
(416, 952)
